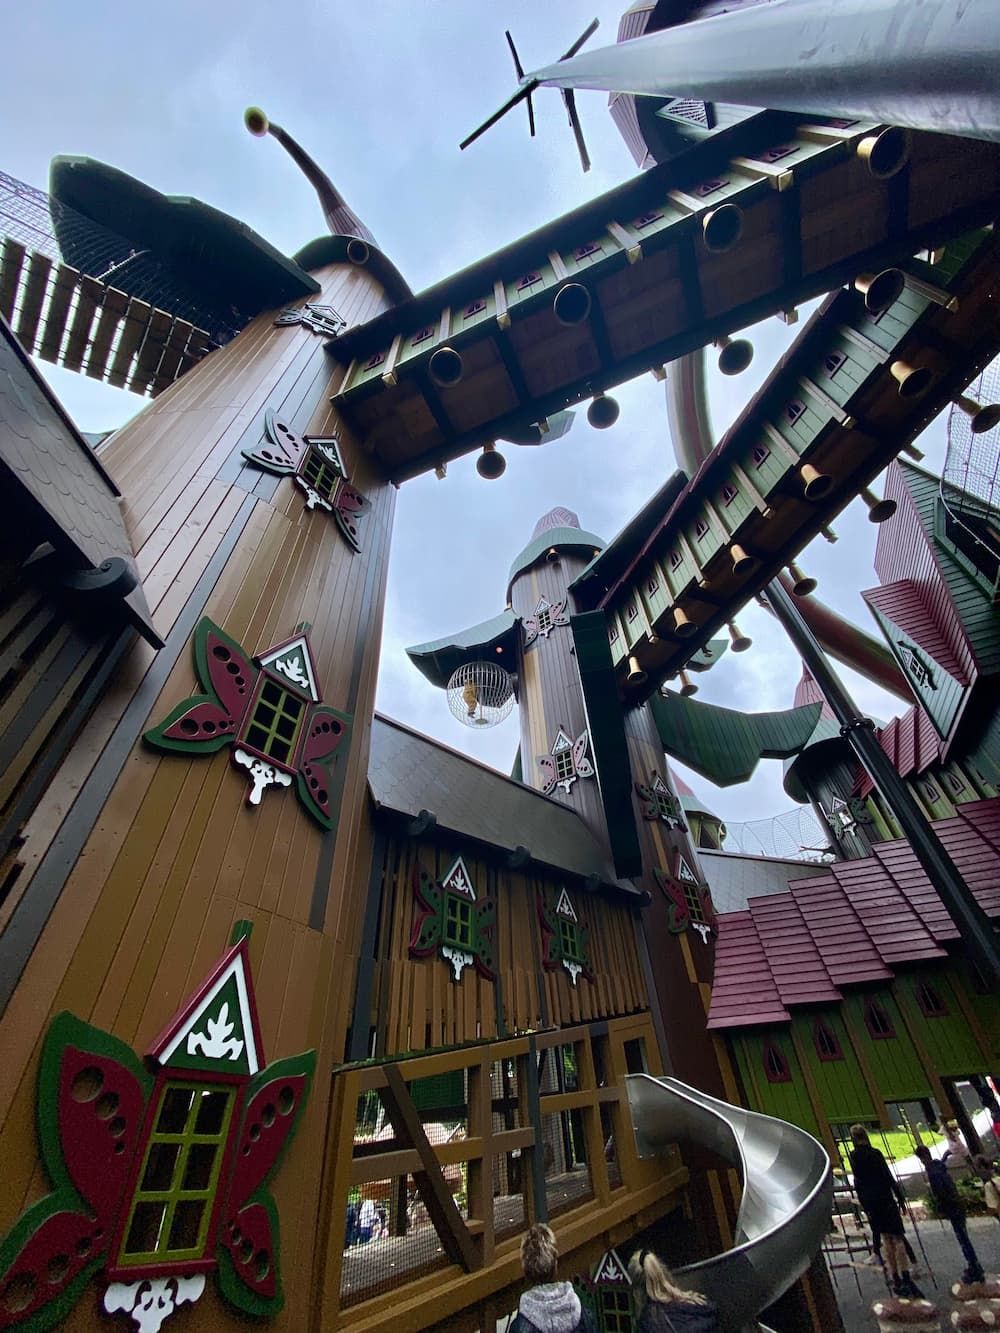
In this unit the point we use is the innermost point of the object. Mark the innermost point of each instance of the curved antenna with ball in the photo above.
(527, 86)
(340, 218)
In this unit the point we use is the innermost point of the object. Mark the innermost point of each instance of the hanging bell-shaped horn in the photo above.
(603, 412)
(879, 511)
(984, 417)
(734, 356)
(636, 675)
(743, 562)
(816, 485)
(552, 555)
(255, 121)
(739, 642)
(445, 367)
(571, 303)
(441, 471)
(880, 289)
(913, 381)
(491, 463)
(885, 153)
(802, 584)
(722, 227)
(683, 627)
(358, 251)
(688, 687)
(828, 534)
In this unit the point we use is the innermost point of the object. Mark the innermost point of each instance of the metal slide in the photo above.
(787, 1192)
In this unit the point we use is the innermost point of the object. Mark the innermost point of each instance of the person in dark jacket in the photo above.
(662, 1306)
(949, 1205)
(548, 1306)
(881, 1196)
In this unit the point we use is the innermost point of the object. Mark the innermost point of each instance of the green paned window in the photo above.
(675, 559)
(955, 783)
(692, 897)
(321, 475)
(631, 611)
(760, 454)
(543, 618)
(616, 1310)
(700, 528)
(652, 585)
(274, 723)
(729, 494)
(564, 764)
(569, 940)
(917, 669)
(172, 1205)
(458, 922)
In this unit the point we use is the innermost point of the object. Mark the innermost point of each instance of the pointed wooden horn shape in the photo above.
(913, 381)
(688, 687)
(879, 511)
(683, 626)
(880, 289)
(802, 584)
(739, 642)
(636, 675)
(984, 416)
(816, 485)
(743, 562)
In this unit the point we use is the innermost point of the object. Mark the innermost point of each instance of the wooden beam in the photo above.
(454, 1235)
(630, 243)
(599, 333)
(89, 296)
(512, 366)
(500, 301)
(759, 502)
(54, 323)
(384, 1166)
(11, 259)
(114, 307)
(136, 324)
(151, 351)
(39, 268)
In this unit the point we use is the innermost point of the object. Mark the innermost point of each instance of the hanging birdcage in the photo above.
(480, 694)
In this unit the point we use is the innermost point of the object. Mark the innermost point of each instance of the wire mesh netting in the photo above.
(564, 1158)
(794, 834)
(388, 1239)
(510, 1169)
(970, 481)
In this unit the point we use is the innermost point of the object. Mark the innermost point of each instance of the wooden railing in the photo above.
(540, 1130)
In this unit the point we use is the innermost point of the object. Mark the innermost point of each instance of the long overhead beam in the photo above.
(930, 66)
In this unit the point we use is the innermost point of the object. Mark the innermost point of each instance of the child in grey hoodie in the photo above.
(548, 1306)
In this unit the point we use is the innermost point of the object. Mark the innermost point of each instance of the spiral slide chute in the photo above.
(787, 1192)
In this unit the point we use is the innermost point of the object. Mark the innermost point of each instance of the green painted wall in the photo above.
(942, 696)
(788, 1101)
(840, 1083)
(950, 1043)
(893, 1061)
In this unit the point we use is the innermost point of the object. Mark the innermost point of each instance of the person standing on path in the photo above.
(548, 1306)
(881, 1196)
(949, 1205)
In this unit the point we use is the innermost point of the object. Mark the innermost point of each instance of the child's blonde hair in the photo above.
(539, 1253)
(652, 1281)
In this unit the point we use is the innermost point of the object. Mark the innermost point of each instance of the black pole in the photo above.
(970, 920)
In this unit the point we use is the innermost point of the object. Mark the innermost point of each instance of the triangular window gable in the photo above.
(292, 663)
(564, 907)
(561, 742)
(459, 881)
(610, 1269)
(684, 872)
(916, 667)
(218, 1029)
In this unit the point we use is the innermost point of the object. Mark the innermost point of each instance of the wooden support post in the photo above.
(500, 300)
(755, 495)
(441, 1207)
(479, 1170)
(533, 1107)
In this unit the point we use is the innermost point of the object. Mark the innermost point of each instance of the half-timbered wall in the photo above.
(417, 1005)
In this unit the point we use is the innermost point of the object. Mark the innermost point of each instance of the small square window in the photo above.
(528, 280)
(423, 334)
(708, 187)
(833, 361)
(631, 611)
(647, 219)
(569, 943)
(612, 631)
(794, 410)
(729, 494)
(652, 585)
(776, 154)
(700, 529)
(760, 454)
(676, 559)
(695, 906)
(590, 248)
(543, 618)
(374, 360)
(458, 922)
(564, 764)
(474, 308)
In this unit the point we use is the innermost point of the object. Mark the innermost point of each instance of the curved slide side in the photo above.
(787, 1191)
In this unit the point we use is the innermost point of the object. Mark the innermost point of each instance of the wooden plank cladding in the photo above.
(418, 1004)
(829, 418)
(82, 324)
(716, 254)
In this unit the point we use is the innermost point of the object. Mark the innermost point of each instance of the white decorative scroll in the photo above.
(153, 1299)
(458, 959)
(262, 774)
(574, 969)
(217, 1042)
(313, 498)
(291, 667)
(703, 930)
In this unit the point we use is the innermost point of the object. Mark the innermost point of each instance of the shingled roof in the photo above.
(408, 773)
(855, 923)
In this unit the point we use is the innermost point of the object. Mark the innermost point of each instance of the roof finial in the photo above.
(341, 219)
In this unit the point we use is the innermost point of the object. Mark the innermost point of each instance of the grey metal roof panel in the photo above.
(734, 878)
(408, 772)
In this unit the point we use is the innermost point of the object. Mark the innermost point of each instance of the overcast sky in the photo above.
(381, 92)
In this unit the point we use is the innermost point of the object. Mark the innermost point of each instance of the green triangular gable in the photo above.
(292, 664)
(217, 1030)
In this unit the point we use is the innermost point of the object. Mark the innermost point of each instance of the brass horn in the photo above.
(722, 227)
(817, 485)
(802, 584)
(734, 355)
(913, 381)
(571, 303)
(879, 511)
(255, 121)
(603, 411)
(828, 534)
(445, 367)
(636, 675)
(491, 463)
(984, 416)
(743, 562)
(683, 626)
(885, 153)
(552, 555)
(688, 687)
(358, 252)
(740, 643)
(880, 289)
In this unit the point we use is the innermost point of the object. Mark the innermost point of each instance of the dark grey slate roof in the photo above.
(735, 878)
(408, 773)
